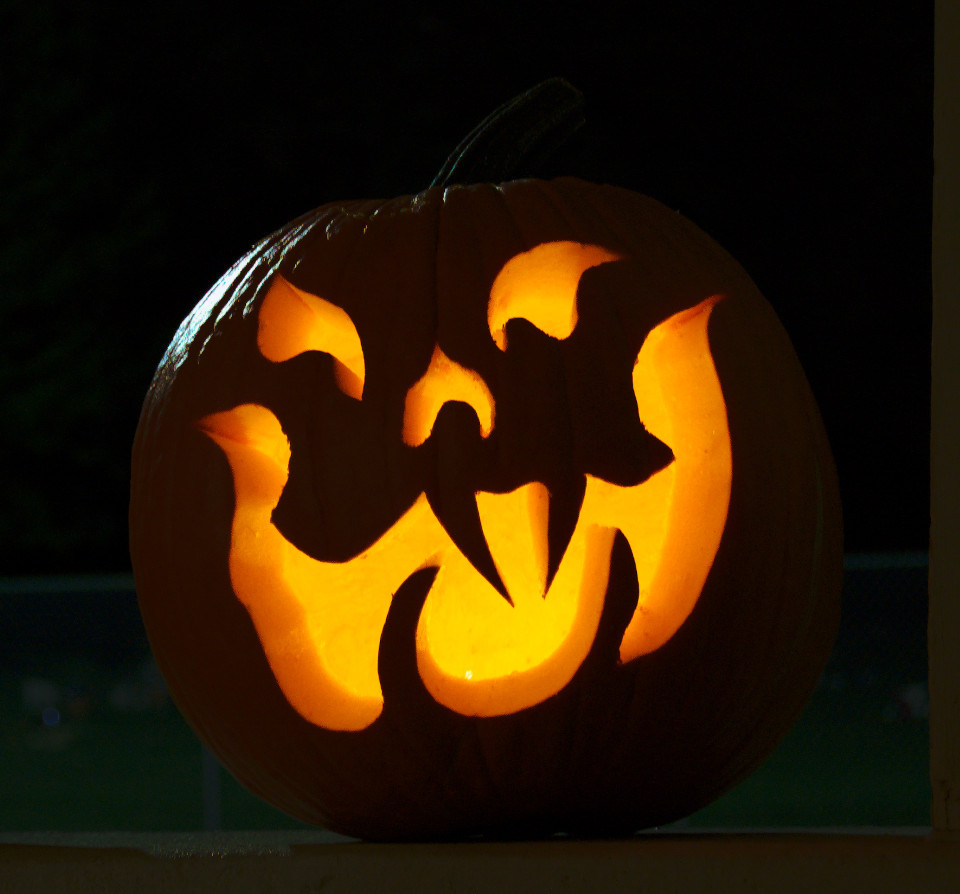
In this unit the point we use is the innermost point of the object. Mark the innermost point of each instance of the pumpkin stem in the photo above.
(513, 139)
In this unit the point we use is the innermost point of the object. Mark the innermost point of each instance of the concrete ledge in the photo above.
(781, 862)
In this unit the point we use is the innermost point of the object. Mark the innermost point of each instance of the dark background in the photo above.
(142, 152)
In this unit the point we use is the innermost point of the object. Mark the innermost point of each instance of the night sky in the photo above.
(143, 153)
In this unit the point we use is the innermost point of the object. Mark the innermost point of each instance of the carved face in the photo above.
(510, 628)
(563, 464)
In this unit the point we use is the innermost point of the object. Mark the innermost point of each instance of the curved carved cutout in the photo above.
(540, 285)
(674, 520)
(515, 526)
(293, 321)
(320, 622)
(445, 380)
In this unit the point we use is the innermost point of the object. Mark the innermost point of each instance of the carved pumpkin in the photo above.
(495, 509)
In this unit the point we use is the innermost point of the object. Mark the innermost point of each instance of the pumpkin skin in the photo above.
(623, 745)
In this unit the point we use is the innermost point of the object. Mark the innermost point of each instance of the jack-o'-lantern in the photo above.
(495, 509)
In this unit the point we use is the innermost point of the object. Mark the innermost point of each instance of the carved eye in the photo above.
(293, 321)
(540, 285)
(445, 380)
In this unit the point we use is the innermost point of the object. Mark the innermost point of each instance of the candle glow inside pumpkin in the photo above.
(478, 653)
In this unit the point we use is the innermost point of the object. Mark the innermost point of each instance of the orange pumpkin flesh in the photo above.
(409, 546)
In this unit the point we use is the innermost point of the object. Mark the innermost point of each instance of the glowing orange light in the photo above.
(540, 285)
(320, 622)
(444, 380)
(674, 520)
(292, 321)
(477, 653)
